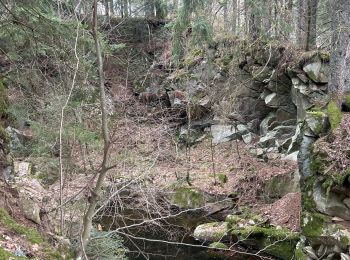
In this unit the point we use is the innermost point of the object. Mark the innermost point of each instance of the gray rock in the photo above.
(267, 122)
(317, 122)
(310, 252)
(344, 256)
(261, 73)
(292, 156)
(279, 83)
(7, 173)
(346, 201)
(30, 209)
(330, 204)
(270, 100)
(22, 169)
(317, 71)
(268, 140)
(15, 139)
(225, 133)
(247, 138)
(253, 125)
(273, 156)
(211, 232)
(296, 140)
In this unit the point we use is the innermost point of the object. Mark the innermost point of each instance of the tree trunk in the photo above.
(96, 191)
(339, 82)
(161, 9)
(238, 13)
(149, 8)
(225, 17)
(234, 17)
(125, 8)
(111, 7)
(312, 18)
(107, 11)
(302, 24)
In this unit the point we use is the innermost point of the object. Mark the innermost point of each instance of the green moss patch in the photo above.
(8, 255)
(31, 234)
(277, 242)
(313, 224)
(3, 100)
(186, 197)
(222, 177)
(334, 114)
(218, 245)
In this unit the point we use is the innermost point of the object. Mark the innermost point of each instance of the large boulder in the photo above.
(212, 232)
(330, 204)
(317, 71)
(224, 133)
(30, 209)
(253, 231)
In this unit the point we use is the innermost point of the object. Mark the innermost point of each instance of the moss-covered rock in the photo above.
(218, 245)
(186, 197)
(252, 230)
(212, 232)
(30, 234)
(334, 114)
(278, 242)
(317, 121)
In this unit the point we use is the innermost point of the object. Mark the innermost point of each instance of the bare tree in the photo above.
(96, 191)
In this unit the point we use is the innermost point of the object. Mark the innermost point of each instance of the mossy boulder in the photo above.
(218, 245)
(317, 121)
(252, 230)
(9, 223)
(212, 232)
(334, 114)
(275, 241)
(188, 198)
(319, 229)
(317, 70)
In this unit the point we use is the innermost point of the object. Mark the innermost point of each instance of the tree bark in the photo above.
(339, 82)
(107, 10)
(312, 19)
(234, 17)
(125, 8)
(111, 7)
(307, 24)
(96, 191)
(302, 24)
(149, 8)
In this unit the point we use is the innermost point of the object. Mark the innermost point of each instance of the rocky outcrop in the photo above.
(252, 231)
(325, 171)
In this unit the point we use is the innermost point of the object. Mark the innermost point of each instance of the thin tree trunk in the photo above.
(238, 13)
(234, 17)
(125, 8)
(149, 8)
(111, 7)
(129, 5)
(96, 191)
(312, 18)
(302, 24)
(339, 82)
(225, 17)
(107, 11)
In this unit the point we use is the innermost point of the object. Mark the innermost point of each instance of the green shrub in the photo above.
(104, 245)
